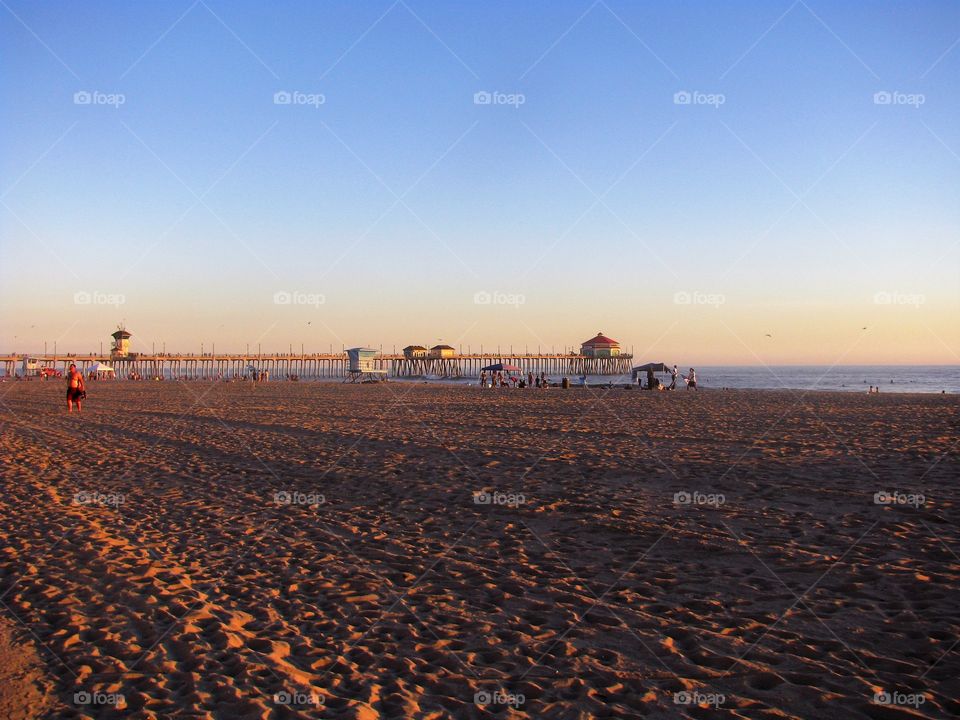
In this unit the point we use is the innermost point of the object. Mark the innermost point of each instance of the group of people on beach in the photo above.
(499, 379)
(653, 384)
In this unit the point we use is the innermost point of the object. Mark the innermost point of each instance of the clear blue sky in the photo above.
(797, 202)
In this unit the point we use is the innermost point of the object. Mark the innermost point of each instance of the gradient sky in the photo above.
(798, 208)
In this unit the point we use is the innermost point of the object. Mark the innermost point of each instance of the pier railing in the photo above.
(210, 366)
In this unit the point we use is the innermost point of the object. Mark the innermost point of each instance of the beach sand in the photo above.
(215, 550)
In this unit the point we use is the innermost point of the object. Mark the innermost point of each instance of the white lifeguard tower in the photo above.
(362, 366)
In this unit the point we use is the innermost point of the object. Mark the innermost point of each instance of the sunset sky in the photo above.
(709, 183)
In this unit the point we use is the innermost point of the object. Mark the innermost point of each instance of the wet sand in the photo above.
(315, 550)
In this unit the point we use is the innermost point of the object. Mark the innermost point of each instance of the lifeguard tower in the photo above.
(121, 343)
(363, 366)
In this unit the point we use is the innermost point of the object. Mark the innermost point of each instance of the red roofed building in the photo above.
(600, 346)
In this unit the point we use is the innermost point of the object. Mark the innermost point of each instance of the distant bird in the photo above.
(309, 322)
(769, 335)
(863, 328)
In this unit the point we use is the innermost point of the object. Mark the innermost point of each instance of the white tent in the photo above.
(100, 371)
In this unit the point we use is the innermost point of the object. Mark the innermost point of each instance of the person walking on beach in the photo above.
(691, 379)
(75, 388)
(673, 378)
(483, 378)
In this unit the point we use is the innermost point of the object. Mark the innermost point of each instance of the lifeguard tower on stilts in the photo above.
(363, 366)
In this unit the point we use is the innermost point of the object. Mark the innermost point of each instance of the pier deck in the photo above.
(320, 365)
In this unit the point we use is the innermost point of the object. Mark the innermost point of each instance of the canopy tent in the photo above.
(501, 367)
(656, 367)
(650, 369)
(99, 371)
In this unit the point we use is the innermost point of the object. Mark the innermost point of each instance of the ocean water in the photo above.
(852, 378)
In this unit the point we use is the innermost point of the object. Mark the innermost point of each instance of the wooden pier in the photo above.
(318, 366)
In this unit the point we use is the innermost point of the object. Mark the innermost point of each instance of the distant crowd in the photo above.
(502, 379)
(498, 378)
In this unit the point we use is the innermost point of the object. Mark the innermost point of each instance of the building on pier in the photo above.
(121, 343)
(415, 351)
(442, 352)
(600, 347)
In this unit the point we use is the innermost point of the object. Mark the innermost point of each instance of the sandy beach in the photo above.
(217, 550)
